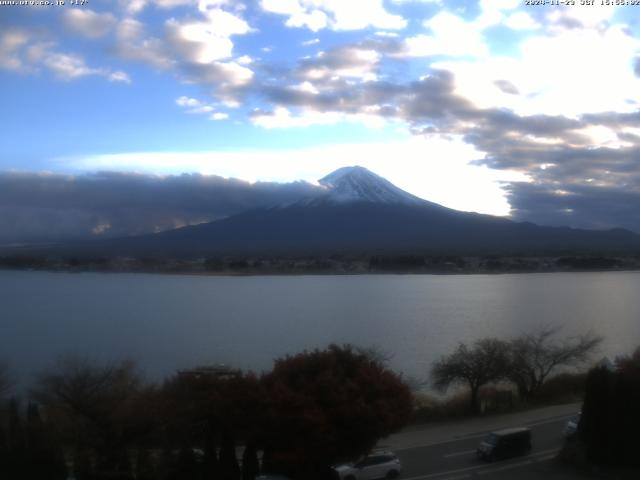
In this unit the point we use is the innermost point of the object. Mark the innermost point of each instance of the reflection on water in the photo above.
(166, 322)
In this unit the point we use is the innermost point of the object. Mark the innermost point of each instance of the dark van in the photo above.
(507, 443)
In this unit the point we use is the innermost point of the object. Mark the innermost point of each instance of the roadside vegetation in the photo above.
(312, 410)
(96, 422)
(493, 374)
(607, 433)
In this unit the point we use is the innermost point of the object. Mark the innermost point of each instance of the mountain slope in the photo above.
(362, 213)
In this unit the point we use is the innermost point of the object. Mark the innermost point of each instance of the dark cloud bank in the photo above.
(36, 207)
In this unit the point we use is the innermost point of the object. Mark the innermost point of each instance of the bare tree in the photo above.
(533, 357)
(104, 407)
(483, 363)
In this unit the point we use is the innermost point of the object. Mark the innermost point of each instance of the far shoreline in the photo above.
(336, 265)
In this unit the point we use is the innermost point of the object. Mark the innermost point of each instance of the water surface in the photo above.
(172, 321)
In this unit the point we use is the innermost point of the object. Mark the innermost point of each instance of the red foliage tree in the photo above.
(328, 406)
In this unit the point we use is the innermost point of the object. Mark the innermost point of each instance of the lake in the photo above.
(166, 322)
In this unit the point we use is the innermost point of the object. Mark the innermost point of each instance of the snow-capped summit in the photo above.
(357, 184)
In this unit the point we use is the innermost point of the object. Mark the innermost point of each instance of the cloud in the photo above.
(88, 23)
(450, 35)
(11, 44)
(134, 7)
(132, 43)
(24, 53)
(591, 155)
(206, 41)
(348, 61)
(195, 106)
(198, 50)
(570, 72)
(69, 66)
(522, 21)
(36, 207)
(335, 14)
(119, 76)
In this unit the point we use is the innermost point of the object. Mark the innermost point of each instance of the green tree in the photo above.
(486, 361)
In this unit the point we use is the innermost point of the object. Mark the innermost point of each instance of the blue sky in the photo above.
(488, 105)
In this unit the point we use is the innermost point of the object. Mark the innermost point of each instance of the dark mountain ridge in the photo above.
(363, 214)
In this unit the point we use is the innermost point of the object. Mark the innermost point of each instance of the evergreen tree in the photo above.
(144, 466)
(210, 460)
(4, 453)
(82, 464)
(596, 411)
(250, 466)
(187, 467)
(16, 441)
(229, 468)
(44, 456)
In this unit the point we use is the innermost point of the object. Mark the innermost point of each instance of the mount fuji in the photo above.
(359, 212)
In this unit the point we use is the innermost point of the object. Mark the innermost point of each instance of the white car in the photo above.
(375, 466)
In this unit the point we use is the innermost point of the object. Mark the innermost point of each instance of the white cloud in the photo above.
(313, 41)
(11, 44)
(197, 107)
(20, 53)
(133, 7)
(88, 23)
(343, 62)
(69, 66)
(521, 21)
(574, 71)
(282, 117)
(335, 14)
(133, 44)
(197, 42)
(451, 36)
(119, 76)
(206, 41)
(314, 21)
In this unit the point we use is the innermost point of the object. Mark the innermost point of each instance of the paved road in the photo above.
(448, 451)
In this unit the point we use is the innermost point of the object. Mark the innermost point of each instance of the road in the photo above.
(447, 451)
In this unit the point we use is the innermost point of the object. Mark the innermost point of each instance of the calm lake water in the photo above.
(167, 322)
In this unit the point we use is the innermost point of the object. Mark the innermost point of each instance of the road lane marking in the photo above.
(481, 469)
(459, 454)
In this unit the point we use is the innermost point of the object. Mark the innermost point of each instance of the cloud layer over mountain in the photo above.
(49, 207)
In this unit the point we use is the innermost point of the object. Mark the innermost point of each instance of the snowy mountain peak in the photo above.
(357, 184)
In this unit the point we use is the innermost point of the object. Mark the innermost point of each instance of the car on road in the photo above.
(378, 465)
(506, 443)
(571, 428)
